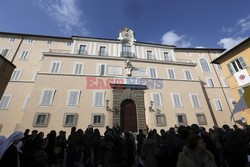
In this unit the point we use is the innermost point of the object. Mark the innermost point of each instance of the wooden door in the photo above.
(128, 116)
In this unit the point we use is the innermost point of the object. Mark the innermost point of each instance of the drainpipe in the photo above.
(224, 94)
(15, 54)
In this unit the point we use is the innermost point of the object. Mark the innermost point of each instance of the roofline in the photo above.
(34, 35)
(108, 39)
(215, 61)
(211, 49)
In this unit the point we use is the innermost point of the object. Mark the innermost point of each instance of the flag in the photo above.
(243, 103)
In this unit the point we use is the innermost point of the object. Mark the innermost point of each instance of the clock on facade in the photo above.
(126, 35)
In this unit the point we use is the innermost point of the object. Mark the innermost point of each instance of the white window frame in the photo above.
(184, 71)
(168, 76)
(34, 78)
(103, 99)
(98, 69)
(51, 99)
(192, 102)
(59, 68)
(209, 68)
(45, 123)
(75, 120)
(185, 122)
(232, 69)
(49, 42)
(173, 102)
(74, 69)
(160, 98)
(170, 57)
(68, 43)
(215, 105)
(147, 74)
(8, 102)
(118, 74)
(224, 82)
(152, 55)
(7, 52)
(77, 100)
(156, 74)
(84, 52)
(163, 117)
(198, 120)
(14, 76)
(208, 83)
(26, 56)
(102, 123)
(26, 101)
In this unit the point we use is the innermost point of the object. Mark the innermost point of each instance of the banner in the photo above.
(242, 77)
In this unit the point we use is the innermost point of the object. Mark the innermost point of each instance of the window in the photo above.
(204, 65)
(126, 48)
(113, 70)
(195, 100)
(35, 75)
(82, 50)
(236, 65)
(141, 72)
(167, 56)
(241, 91)
(156, 97)
(150, 55)
(101, 69)
(78, 68)
(73, 98)
(41, 120)
(181, 119)
(24, 55)
(70, 119)
(188, 54)
(170, 73)
(49, 42)
(69, 43)
(25, 102)
(187, 74)
(102, 51)
(160, 119)
(47, 97)
(5, 52)
(218, 105)
(12, 39)
(218, 66)
(201, 119)
(153, 73)
(99, 99)
(30, 40)
(176, 100)
(55, 67)
(98, 119)
(5, 101)
(16, 75)
(210, 82)
(224, 82)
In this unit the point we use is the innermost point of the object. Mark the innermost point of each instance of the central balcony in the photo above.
(128, 54)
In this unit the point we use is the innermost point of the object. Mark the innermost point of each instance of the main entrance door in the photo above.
(128, 116)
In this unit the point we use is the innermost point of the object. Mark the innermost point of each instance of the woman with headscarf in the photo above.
(10, 149)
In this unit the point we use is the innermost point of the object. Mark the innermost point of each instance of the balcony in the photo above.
(128, 54)
(103, 53)
(82, 52)
(150, 57)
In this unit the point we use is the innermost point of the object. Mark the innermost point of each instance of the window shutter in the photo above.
(99, 97)
(195, 101)
(230, 68)
(188, 75)
(177, 102)
(152, 73)
(4, 102)
(218, 105)
(5, 52)
(242, 62)
(157, 100)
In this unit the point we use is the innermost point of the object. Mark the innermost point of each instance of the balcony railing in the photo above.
(103, 53)
(82, 52)
(128, 54)
(150, 57)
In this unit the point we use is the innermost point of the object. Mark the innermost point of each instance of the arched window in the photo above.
(204, 65)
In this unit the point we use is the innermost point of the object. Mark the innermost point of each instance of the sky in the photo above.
(183, 23)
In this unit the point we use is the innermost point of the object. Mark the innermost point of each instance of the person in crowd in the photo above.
(52, 149)
(114, 154)
(2, 139)
(62, 143)
(10, 150)
(150, 150)
(96, 146)
(88, 146)
(130, 145)
(140, 140)
(195, 154)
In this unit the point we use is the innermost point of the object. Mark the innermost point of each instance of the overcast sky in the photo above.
(184, 23)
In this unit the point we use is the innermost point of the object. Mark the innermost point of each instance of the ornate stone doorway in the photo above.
(128, 116)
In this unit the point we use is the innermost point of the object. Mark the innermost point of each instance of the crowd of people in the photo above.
(183, 146)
